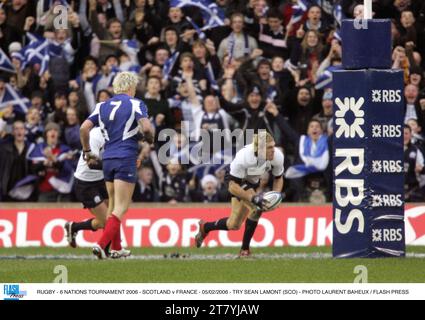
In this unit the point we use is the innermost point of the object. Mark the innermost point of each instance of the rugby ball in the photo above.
(274, 199)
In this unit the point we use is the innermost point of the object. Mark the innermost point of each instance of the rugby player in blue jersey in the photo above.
(120, 118)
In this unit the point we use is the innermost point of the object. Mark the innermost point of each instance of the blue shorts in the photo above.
(120, 169)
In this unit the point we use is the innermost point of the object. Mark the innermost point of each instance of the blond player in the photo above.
(245, 173)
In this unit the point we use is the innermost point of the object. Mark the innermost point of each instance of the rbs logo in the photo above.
(343, 128)
(389, 96)
(387, 235)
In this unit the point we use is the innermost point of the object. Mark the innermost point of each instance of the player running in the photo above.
(246, 170)
(120, 118)
(90, 190)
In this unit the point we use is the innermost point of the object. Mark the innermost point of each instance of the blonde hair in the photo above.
(259, 139)
(124, 82)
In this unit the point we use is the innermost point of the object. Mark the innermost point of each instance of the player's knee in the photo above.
(234, 225)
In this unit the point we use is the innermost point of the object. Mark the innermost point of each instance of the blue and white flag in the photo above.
(169, 65)
(315, 157)
(211, 13)
(211, 77)
(5, 63)
(200, 33)
(298, 11)
(214, 17)
(23, 189)
(338, 14)
(33, 37)
(130, 47)
(64, 180)
(324, 81)
(37, 52)
(12, 97)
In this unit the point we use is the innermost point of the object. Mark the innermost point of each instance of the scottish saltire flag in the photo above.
(202, 4)
(37, 52)
(33, 37)
(214, 17)
(324, 81)
(315, 157)
(298, 10)
(12, 97)
(211, 13)
(64, 181)
(169, 65)
(5, 63)
(200, 33)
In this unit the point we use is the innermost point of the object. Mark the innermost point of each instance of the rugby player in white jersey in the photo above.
(244, 177)
(90, 190)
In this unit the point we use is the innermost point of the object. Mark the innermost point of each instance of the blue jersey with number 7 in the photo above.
(118, 119)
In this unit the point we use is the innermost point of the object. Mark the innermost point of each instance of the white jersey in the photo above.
(83, 172)
(246, 166)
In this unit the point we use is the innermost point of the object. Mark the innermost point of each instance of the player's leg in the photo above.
(110, 227)
(94, 197)
(123, 194)
(234, 222)
(250, 227)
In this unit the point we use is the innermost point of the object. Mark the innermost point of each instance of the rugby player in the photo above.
(90, 190)
(244, 177)
(120, 118)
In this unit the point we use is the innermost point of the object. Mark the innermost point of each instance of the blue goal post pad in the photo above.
(368, 163)
(366, 44)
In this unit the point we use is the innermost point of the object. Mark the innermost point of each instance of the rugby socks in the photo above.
(85, 225)
(112, 227)
(250, 227)
(116, 241)
(218, 225)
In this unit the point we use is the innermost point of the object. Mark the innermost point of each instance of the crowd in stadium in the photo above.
(225, 64)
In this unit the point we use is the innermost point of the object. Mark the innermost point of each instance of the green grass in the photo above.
(409, 270)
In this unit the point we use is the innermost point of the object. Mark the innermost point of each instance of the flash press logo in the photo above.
(349, 131)
(13, 292)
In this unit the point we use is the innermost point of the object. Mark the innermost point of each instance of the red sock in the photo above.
(116, 240)
(112, 227)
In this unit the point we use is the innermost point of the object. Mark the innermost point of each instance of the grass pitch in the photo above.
(219, 265)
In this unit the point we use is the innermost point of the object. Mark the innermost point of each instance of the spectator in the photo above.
(413, 166)
(327, 112)
(33, 126)
(72, 130)
(311, 162)
(51, 162)
(209, 192)
(413, 111)
(273, 38)
(238, 44)
(145, 190)
(174, 184)
(15, 167)
(158, 107)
